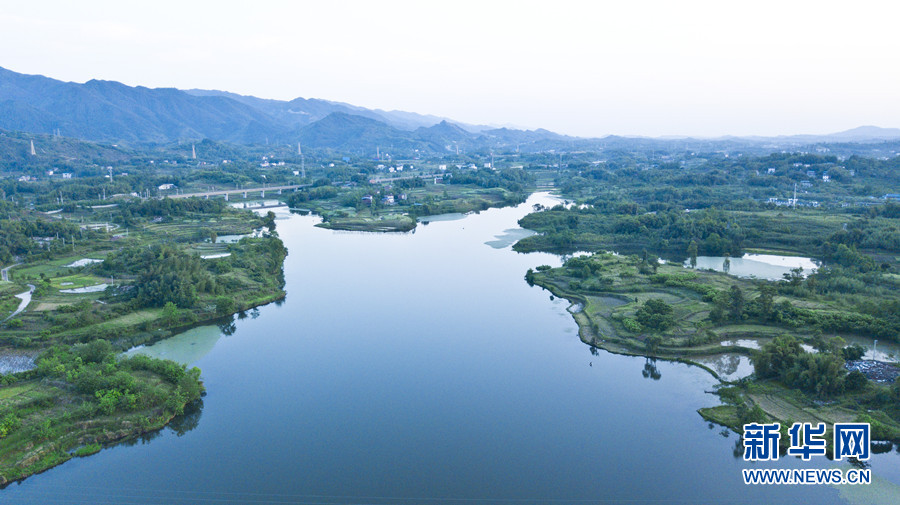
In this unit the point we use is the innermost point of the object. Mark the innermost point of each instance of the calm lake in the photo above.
(421, 368)
(762, 266)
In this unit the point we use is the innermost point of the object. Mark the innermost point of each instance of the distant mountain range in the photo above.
(109, 111)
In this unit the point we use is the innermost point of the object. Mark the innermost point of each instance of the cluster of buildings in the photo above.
(50, 173)
(387, 199)
(266, 162)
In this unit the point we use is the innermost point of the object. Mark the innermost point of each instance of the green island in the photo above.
(104, 280)
(805, 333)
(396, 204)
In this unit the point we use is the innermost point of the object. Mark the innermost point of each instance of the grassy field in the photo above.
(52, 267)
(75, 281)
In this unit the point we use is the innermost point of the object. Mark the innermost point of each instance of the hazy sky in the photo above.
(582, 68)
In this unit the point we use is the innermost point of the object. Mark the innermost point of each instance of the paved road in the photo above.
(380, 180)
(26, 299)
(4, 274)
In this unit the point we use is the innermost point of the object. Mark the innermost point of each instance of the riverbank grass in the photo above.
(612, 294)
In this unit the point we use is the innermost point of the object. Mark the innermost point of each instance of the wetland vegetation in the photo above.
(75, 394)
(800, 324)
(116, 264)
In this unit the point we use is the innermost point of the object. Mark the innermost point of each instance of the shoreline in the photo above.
(53, 459)
(50, 415)
(738, 397)
(588, 336)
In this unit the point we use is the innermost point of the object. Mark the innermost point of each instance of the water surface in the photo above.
(762, 266)
(421, 368)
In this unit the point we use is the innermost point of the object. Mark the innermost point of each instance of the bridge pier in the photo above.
(279, 191)
(226, 197)
(206, 197)
(245, 194)
(262, 193)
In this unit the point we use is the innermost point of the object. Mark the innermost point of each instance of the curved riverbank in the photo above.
(686, 333)
(587, 332)
(304, 400)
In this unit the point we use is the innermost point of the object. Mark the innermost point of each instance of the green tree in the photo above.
(777, 357)
(736, 303)
(765, 301)
(224, 305)
(822, 374)
(170, 313)
(652, 342)
(692, 253)
(655, 314)
(269, 221)
(853, 352)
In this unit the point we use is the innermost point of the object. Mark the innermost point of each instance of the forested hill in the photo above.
(109, 111)
(112, 111)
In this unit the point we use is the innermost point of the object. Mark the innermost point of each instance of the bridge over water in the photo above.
(241, 191)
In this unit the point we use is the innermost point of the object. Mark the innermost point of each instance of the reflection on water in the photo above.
(228, 327)
(87, 289)
(189, 420)
(651, 371)
(455, 216)
(187, 347)
(729, 366)
(179, 425)
(250, 204)
(880, 351)
(761, 266)
(750, 343)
